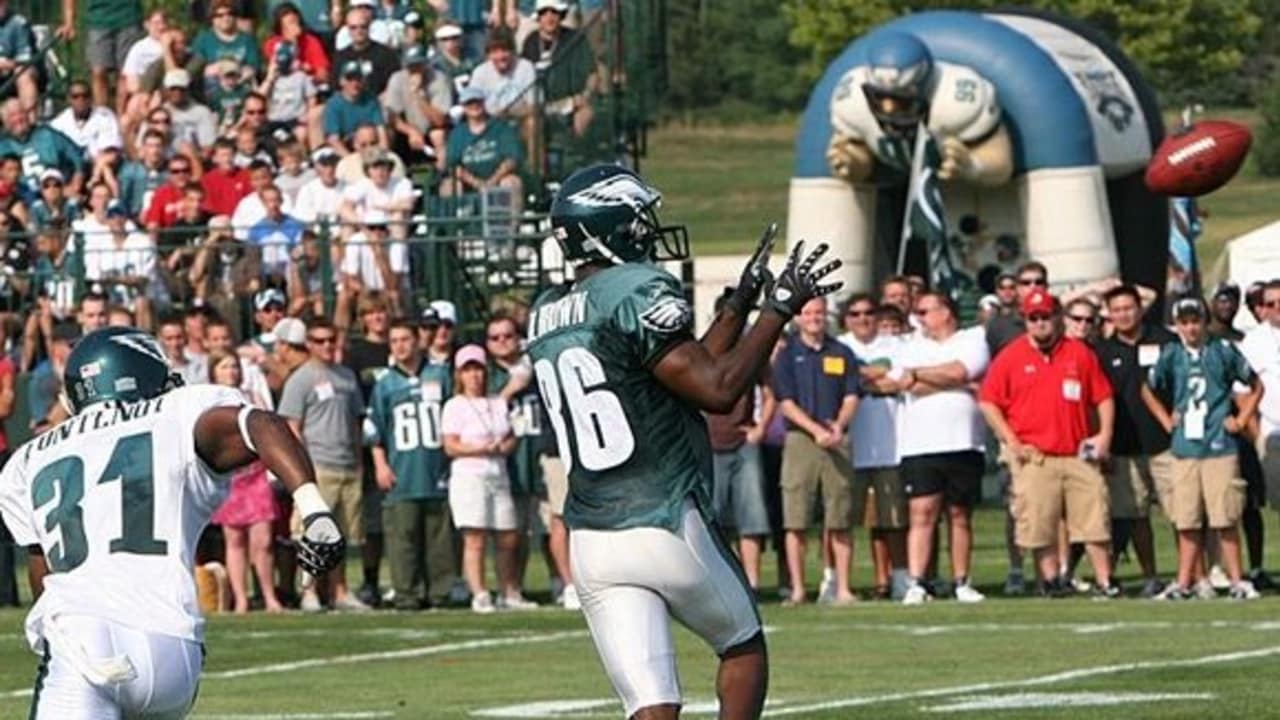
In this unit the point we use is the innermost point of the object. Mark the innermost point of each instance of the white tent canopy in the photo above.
(1253, 257)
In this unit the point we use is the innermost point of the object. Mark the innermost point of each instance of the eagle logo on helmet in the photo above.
(619, 190)
(143, 344)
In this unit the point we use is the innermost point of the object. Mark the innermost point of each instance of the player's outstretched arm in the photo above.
(229, 437)
(714, 383)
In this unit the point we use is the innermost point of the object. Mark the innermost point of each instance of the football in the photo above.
(1199, 159)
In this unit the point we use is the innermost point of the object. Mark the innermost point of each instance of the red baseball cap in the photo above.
(1040, 302)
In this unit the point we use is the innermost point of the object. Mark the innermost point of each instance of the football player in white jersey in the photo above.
(111, 503)
(878, 107)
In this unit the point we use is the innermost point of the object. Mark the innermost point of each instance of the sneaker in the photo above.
(966, 593)
(368, 595)
(1218, 578)
(1173, 592)
(458, 593)
(1107, 592)
(1055, 588)
(1015, 585)
(1244, 590)
(1079, 586)
(515, 602)
(310, 602)
(1261, 580)
(482, 604)
(1205, 590)
(350, 603)
(827, 591)
(916, 595)
(569, 598)
(1151, 588)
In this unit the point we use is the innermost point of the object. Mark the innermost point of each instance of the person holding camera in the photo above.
(1040, 396)
(223, 268)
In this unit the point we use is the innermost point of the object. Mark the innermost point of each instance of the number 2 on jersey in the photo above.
(600, 429)
(63, 481)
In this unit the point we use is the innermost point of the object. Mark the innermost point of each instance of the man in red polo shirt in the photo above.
(1037, 396)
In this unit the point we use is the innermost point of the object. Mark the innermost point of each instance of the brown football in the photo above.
(1199, 159)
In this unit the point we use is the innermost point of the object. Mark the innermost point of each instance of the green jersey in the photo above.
(633, 449)
(405, 412)
(113, 14)
(526, 424)
(1201, 381)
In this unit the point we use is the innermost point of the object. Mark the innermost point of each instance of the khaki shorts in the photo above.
(808, 469)
(886, 502)
(1134, 482)
(557, 482)
(1049, 489)
(1207, 488)
(341, 491)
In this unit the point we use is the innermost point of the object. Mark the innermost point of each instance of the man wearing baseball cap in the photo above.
(482, 153)
(417, 101)
(449, 58)
(349, 108)
(1039, 397)
(1199, 374)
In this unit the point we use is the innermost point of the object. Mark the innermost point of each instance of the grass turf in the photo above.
(876, 658)
(726, 183)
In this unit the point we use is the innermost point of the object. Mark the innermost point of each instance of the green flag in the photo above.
(925, 219)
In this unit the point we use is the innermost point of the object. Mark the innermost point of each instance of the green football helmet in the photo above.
(116, 363)
(606, 212)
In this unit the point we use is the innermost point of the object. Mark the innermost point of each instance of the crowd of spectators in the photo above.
(333, 119)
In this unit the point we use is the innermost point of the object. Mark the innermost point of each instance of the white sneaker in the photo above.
(827, 591)
(916, 595)
(310, 602)
(967, 594)
(350, 603)
(1244, 590)
(1204, 590)
(515, 602)
(569, 598)
(482, 604)
(1218, 578)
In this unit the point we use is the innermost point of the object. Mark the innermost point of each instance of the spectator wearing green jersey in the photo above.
(411, 468)
(40, 147)
(224, 41)
(482, 153)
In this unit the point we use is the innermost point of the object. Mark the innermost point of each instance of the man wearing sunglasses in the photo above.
(1039, 397)
(93, 128)
(1003, 328)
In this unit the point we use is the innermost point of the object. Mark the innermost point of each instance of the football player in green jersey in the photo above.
(624, 383)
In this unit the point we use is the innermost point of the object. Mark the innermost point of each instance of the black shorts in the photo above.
(957, 475)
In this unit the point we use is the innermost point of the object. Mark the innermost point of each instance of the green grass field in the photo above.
(725, 183)
(1071, 658)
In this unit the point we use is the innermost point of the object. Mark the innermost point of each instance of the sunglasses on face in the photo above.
(322, 339)
(1038, 282)
(859, 313)
(51, 183)
(1271, 304)
(500, 337)
(78, 95)
(1082, 319)
(1039, 317)
(179, 170)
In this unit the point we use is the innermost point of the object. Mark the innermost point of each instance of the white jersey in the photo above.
(117, 498)
(874, 436)
(962, 104)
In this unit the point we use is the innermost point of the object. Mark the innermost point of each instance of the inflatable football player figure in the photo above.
(878, 107)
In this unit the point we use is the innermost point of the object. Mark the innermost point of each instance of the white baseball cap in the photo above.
(447, 311)
(291, 330)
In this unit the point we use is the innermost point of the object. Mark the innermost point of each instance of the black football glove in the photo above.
(797, 284)
(321, 547)
(755, 276)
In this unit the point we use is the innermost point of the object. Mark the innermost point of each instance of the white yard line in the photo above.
(1053, 678)
(424, 651)
(1040, 701)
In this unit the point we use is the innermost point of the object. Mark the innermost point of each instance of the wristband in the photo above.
(308, 501)
(242, 420)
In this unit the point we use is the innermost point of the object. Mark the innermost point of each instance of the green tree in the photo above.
(1185, 47)
(1266, 151)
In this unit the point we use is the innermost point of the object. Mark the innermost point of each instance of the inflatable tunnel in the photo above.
(1083, 125)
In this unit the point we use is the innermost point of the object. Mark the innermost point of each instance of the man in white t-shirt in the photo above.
(141, 55)
(874, 444)
(251, 208)
(93, 128)
(1261, 347)
(941, 438)
(320, 198)
(124, 261)
(379, 193)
